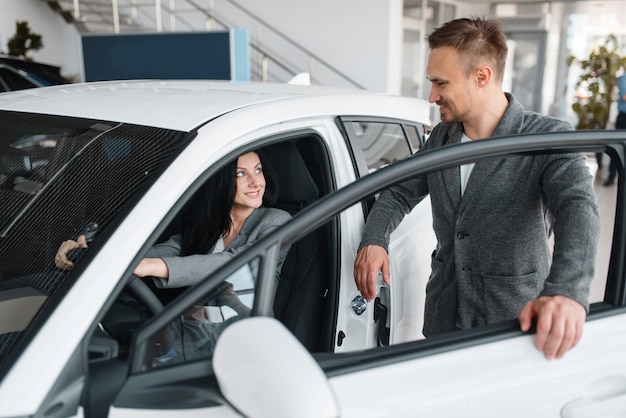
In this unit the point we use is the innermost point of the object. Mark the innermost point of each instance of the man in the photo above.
(620, 122)
(492, 219)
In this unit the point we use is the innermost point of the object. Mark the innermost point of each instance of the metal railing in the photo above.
(269, 47)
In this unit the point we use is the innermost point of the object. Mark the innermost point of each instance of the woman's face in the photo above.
(250, 182)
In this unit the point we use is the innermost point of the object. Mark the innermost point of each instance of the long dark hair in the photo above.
(207, 215)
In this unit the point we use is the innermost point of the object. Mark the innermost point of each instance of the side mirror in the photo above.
(264, 371)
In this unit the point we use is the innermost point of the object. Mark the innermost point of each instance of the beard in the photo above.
(448, 114)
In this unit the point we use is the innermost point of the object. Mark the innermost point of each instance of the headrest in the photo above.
(295, 184)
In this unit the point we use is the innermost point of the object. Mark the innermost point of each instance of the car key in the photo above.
(89, 231)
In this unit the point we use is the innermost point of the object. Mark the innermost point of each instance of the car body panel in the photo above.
(410, 271)
(186, 105)
(504, 378)
(410, 268)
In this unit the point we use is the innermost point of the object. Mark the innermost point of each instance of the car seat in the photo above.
(300, 295)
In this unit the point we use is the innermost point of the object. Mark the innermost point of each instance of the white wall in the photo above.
(61, 46)
(344, 33)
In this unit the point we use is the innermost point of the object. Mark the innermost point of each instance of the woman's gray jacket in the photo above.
(189, 270)
(493, 253)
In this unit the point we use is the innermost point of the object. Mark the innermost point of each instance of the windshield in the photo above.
(59, 176)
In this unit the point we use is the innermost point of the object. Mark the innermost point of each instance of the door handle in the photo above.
(605, 397)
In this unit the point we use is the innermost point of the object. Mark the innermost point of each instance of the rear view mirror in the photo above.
(263, 371)
(15, 163)
(15, 168)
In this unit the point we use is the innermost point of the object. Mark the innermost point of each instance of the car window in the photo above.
(193, 334)
(58, 176)
(416, 135)
(13, 81)
(380, 143)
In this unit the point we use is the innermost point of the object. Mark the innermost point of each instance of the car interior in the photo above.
(305, 295)
(307, 287)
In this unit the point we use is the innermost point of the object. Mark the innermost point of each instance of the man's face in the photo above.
(451, 87)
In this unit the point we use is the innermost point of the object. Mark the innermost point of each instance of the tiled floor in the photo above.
(607, 197)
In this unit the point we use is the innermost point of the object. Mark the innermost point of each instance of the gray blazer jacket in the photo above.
(188, 270)
(492, 253)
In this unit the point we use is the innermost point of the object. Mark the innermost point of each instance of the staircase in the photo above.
(268, 46)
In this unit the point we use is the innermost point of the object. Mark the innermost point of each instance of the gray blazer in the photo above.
(188, 270)
(492, 253)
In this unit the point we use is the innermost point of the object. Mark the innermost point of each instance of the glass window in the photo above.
(195, 332)
(416, 137)
(57, 176)
(381, 143)
(14, 81)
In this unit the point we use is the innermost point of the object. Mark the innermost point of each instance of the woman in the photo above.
(222, 220)
(225, 217)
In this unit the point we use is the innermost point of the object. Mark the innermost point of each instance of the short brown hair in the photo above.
(474, 39)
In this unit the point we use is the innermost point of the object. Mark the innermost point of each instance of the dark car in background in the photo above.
(18, 74)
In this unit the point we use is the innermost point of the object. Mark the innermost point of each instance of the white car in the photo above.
(127, 156)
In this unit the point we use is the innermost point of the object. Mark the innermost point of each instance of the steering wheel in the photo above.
(140, 290)
(136, 287)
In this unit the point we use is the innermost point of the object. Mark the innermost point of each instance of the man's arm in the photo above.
(562, 306)
(386, 214)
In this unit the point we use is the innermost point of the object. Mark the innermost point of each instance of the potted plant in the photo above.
(596, 87)
(23, 41)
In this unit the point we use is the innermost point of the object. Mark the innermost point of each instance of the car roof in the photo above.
(185, 105)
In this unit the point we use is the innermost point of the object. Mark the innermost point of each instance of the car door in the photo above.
(377, 143)
(493, 370)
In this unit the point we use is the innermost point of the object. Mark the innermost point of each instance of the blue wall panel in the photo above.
(240, 57)
(195, 55)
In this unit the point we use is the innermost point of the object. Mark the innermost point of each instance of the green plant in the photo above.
(23, 41)
(598, 83)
